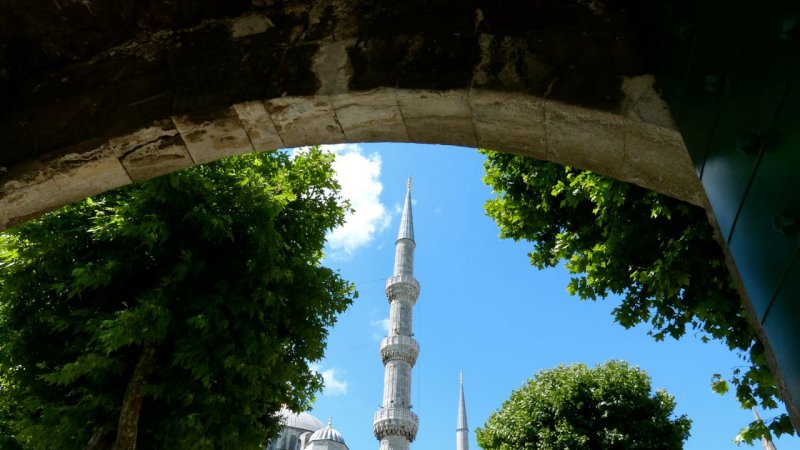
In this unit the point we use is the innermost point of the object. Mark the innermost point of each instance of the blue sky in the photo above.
(482, 309)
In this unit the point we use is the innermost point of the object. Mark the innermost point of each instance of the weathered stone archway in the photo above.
(622, 146)
(96, 94)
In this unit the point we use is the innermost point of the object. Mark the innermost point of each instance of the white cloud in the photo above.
(359, 176)
(383, 324)
(334, 384)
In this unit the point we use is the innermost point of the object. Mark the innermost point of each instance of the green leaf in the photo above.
(719, 385)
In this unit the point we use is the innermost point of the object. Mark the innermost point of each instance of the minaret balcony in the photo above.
(399, 347)
(402, 286)
(395, 421)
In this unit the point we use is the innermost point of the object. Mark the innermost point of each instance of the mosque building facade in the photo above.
(394, 424)
(305, 432)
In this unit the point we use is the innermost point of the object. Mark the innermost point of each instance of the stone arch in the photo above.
(640, 146)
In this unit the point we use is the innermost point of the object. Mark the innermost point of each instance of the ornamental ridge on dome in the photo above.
(327, 434)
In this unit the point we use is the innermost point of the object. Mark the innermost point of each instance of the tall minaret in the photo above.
(462, 431)
(395, 426)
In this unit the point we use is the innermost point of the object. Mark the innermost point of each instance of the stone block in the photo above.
(249, 24)
(371, 116)
(83, 170)
(509, 122)
(585, 138)
(437, 117)
(20, 201)
(302, 121)
(331, 65)
(124, 144)
(258, 124)
(212, 135)
(157, 158)
(643, 104)
(82, 175)
(657, 158)
(152, 151)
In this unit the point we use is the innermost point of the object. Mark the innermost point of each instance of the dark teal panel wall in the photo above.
(729, 71)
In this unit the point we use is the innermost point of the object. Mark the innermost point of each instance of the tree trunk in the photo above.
(103, 437)
(128, 425)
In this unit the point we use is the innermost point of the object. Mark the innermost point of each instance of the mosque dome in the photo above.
(302, 421)
(327, 434)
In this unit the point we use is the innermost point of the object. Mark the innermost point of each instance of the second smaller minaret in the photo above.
(766, 443)
(462, 431)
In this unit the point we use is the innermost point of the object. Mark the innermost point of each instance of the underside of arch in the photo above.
(623, 147)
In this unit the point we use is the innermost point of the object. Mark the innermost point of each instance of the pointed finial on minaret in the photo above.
(330, 422)
(406, 220)
(462, 431)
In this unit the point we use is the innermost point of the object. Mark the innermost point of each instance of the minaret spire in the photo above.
(462, 431)
(766, 443)
(395, 426)
(407, 220)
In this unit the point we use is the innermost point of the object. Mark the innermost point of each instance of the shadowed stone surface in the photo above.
(72, 71)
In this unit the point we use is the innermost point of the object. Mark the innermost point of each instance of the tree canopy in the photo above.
(657, 253)
(609, 406)
(177, 313)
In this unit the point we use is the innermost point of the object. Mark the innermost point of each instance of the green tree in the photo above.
(658, 254)
(178, 313)
(609, 406)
